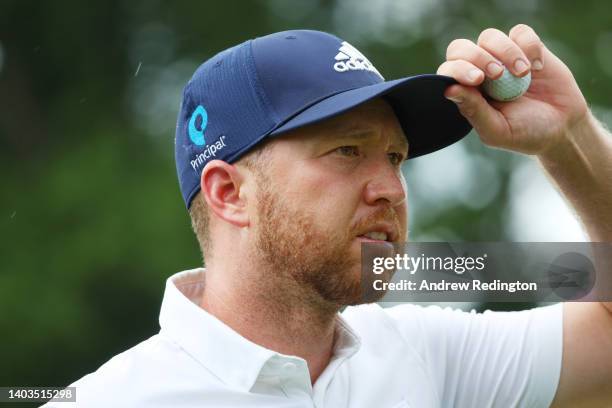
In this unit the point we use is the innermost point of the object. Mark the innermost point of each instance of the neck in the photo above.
(273, 314)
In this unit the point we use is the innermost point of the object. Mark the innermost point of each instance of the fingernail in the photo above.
(520, 66)
(456, 99)
(474, 74)
(537, 64)
(494, 69)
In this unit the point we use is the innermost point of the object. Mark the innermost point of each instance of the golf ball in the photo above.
(507, 87)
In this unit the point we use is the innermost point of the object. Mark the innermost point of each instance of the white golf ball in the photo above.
(507, 87)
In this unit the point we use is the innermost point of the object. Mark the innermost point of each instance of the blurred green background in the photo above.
(91, 217)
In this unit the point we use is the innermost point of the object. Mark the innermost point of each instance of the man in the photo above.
(288, 152)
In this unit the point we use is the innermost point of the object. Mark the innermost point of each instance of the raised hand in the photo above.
(537, 121)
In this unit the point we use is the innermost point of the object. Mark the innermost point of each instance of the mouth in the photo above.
(380, 233)
(374, 236)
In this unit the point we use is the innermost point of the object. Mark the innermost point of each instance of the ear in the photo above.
(220, 184)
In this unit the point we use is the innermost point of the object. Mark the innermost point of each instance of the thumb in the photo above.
(491, 126)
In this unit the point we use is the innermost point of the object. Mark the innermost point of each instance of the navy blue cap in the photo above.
(270, 85)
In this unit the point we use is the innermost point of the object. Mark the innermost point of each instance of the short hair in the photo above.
(256, 161)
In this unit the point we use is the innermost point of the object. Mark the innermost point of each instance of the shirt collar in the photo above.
(232, 358)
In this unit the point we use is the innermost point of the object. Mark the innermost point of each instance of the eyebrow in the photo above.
(360, 133)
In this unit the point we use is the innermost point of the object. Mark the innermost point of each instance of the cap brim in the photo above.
(429, 120)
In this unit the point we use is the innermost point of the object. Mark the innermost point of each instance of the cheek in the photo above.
(402, 211)
(332, 199)
(402, 215)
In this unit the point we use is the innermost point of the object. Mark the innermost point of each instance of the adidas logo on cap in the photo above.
(349, 58)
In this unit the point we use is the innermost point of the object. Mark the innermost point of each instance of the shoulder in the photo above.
(427, 326)
(407, 322)
(491, 356)
(401, 319)
(127, 379)
(412, 316)
(376, 325)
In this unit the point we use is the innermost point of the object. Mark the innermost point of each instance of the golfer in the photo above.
(288, 152)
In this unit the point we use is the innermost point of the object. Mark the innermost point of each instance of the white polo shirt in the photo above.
(403, 356)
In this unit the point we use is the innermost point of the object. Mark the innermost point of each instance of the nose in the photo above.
(387, 184)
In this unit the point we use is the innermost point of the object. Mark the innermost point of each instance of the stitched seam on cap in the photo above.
(309, 105)
(254, 77)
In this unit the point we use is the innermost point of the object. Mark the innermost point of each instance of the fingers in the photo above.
(509, 53)
(520, 51)
(463, 49)
(469, 63)
(463, 71)
(488, 122)
(530, 43)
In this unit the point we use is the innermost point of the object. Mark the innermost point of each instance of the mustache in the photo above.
(383, 214)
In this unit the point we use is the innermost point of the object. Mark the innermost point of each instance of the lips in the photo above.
(381, 232)
(376, 235)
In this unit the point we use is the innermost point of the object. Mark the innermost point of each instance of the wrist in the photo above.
(572, 141)
(579, 165)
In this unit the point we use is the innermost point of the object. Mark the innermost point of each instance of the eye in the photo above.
(350, 151)
(396, 158)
